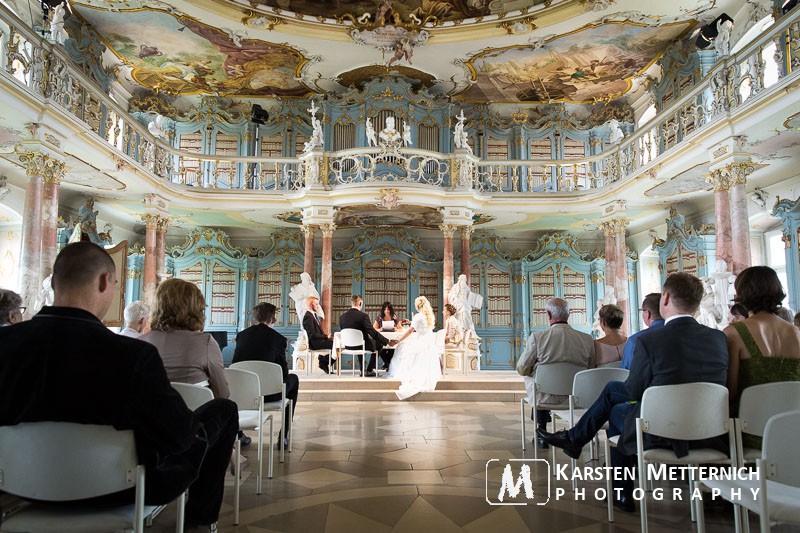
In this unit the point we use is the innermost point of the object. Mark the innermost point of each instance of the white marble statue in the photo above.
(609, 298)
(722, 42)
(724, 292)
(407, 135)
(708, 313)
(389, 134)
(45, 296)
(461, 297)
(460, 136)
(371, 138)
(300, 292)
(156, 126)
(616, 134)
(57, 31)
(317, 138)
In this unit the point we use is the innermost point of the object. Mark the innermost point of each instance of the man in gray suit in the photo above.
(560, 343)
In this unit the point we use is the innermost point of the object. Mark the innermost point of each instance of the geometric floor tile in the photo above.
(319, 477)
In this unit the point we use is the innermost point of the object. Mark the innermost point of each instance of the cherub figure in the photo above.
(407, 135)
(371, 139)
(57, 31)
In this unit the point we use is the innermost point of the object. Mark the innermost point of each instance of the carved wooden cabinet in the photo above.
(685, 249)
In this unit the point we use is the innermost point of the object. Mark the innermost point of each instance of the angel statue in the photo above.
(57, 31)
(708, 314)
(317, 138)
(722, 42)
(156, 127)
(460, 137)
(300, 292)
(464, 300)
(407, 135)
(371, 138)
(45, 296)
(616, 134)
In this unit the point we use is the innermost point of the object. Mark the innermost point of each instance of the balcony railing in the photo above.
(46, 73)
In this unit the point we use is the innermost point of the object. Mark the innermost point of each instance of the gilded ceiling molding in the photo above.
(48, 167)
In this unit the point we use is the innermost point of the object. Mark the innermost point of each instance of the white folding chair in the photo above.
(778, 483)
(757, 405)
(270, 376)
(245, 388)
(690, 411)
(64, 461)
(587, 385)
(312, 356)
(193, 395)
(354, 337)
(552, 378)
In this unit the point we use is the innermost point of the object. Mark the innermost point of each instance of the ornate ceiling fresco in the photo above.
(593, 63)
(179, 55)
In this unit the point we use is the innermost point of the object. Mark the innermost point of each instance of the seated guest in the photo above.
(786, 314)
(354, 318)
(10, 307)
(387, 320)
(317, 338)
(190, 355)
(260, 342)
(136, 315)
(557, 344)
(763, 348)
(453, 335)
(683, 351)
(609, 348)
(738, 313)
(652, 319)
(64, 365)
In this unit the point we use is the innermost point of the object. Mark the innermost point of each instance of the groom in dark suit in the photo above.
(354, 318)
(682, 351)
(317, 338)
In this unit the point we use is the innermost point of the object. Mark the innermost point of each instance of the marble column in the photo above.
(162, 223)
(617, 264)
(466, 244)
(308, 258)
(447, 271)
(149, 272)
(740, 221)
(720, 179)
(327, 274)
(39, 223)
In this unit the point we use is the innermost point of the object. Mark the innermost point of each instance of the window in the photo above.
(776, 259)
(647, 116)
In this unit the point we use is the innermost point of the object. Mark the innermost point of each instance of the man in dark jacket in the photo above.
(64, 365)
(317, 338)
(682, 351)
(260, 342)
(354, 318)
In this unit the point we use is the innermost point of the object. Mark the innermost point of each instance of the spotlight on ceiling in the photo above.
(260, 116)
(709, 32)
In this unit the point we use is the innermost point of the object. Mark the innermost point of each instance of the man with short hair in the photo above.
(136, 315)
(354, 318)
(64, 365)
(10, 307)
(653, 321)
(317, 338)
(560, 343)
(682, 351)
(260, 342)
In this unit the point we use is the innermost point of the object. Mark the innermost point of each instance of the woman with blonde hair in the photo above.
(189, 354)
(416, 361)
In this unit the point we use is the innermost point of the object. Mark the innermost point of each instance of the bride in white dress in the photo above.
(416, 360)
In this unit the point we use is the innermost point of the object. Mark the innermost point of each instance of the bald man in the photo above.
(65, 365)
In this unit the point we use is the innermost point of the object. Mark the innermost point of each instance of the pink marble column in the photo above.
(722, 208)
(740, 220)
(447, 264)
(327, 274)
(49, 225)
(162, 223)
(617, 265)
(308, 258)
(31, 256)
(149, 273)
(466, 245)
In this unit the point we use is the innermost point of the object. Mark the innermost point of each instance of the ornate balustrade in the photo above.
(734, 83)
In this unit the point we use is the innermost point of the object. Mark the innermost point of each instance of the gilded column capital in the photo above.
(150, 221)
(615, 226)
(308, 230)
(327, 229)
(467, 231)
(162, 223)
(41, 164)
(719, 179)
(736, 173)
(448, 230)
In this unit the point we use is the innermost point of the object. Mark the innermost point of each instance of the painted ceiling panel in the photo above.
(592, 63)
(179, 55)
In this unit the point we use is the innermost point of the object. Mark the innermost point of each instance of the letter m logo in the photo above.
(515, 490)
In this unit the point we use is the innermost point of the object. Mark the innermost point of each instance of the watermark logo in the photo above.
(516, 485)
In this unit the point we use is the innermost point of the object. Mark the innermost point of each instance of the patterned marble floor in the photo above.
(418, 467)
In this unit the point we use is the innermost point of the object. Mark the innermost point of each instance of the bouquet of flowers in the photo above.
(405, 322)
